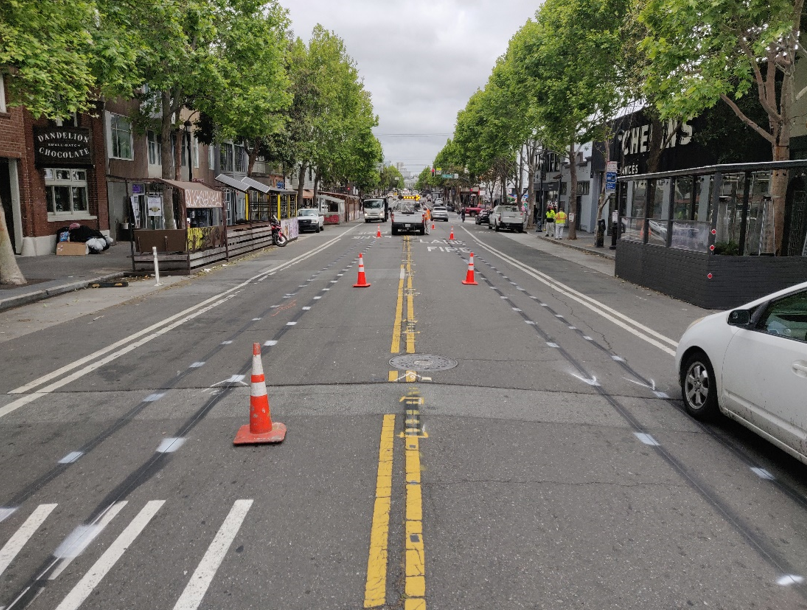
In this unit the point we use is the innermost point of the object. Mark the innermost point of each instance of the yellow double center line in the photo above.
(415, 565)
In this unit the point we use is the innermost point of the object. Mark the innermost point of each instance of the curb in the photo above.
(40, 295)
(565, 244)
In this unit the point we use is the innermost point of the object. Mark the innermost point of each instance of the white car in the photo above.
(439, 212)
(751, 365)
(310, 219)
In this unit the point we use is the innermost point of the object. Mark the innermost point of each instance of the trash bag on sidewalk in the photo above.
(96, 241)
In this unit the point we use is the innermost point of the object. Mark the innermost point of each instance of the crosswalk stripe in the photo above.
(110, 557)
(22, 535)
(81, 538)
(203, 575)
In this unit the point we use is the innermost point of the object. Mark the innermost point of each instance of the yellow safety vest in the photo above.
(550, 215)
(560, 218)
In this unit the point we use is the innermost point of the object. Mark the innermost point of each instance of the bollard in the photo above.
(600, 239)
(156, 266)
(614, 231)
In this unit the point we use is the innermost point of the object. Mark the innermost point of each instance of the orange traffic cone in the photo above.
(469, 277)
(432, 226)
(260, 429)
(452, 233)
(378, 233)
(362, 281)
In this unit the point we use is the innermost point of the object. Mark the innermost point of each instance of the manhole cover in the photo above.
(422, 362)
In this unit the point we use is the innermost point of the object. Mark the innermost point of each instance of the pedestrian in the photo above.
(462, 214)
(550, 221)
(560, 223)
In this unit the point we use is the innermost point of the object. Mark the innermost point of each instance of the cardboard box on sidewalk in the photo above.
(71, 248)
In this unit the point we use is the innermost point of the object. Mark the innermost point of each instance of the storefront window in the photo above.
(195, 150)
(240, 159)
(120, 132)
(759, 237)
(66, 191)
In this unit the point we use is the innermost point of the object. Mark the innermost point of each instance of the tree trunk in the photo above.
(572, 208)
(252, 156)
(301, 182)
(775, 238)
(603, 199)
(317, 179)
(167, 161)
(9, 270)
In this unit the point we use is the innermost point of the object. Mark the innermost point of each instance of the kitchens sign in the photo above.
(62, 146)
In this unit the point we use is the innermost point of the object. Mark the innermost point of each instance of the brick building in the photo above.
(48, 176)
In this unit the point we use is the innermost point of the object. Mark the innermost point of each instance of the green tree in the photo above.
(703, 52)
(251, 103)
(573, 57)
(391, 178)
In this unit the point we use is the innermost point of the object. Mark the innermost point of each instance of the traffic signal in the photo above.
(432, 171)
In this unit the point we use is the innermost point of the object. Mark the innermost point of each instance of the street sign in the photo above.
(610, 182)
(456, 176)
(613, 166)
(448, 176)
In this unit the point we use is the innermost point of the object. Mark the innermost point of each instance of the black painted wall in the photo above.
(684, 275)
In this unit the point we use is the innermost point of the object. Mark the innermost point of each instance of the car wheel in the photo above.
(318, 229)
(496, 227)
(698, 387)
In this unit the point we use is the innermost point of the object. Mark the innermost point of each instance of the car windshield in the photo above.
(373, 204)
(307, 212)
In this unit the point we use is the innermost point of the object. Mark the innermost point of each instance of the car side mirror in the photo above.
(740, 317)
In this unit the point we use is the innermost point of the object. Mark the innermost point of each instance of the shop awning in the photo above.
(332, 199)
(258, 186)
(197, 195)
(233, 183)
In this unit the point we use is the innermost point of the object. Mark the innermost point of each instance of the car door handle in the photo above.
(800, 368)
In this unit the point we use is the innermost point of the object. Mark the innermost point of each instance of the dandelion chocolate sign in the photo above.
(61, 146)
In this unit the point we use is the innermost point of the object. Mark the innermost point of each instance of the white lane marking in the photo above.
(306, 308)
(587, 338)
(81, 537)
(169, 445)
(105, 563)
(196, 365)
(256, 319)
(544, 305)
(504, 296)
(618, 358)
(291, 323)
(270, 343)
(203, 575)
(127, 343)
(71, 457)
(572, 328)
(317, 298)
(550, 344)
(340, 274)
(592, 382)
(640, 330)
(325, 289)
(226, 342)
(154, 397)
(493, 287)
(6, 512)
(22, 535)
(660, 394)
(233, 380)
(334, 281)
(516, 309)
(557, 315)
(646, 439)
(529, 322)
(763, 474)
(790, 579)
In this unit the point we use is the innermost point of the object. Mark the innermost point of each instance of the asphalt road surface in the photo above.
(518, 443)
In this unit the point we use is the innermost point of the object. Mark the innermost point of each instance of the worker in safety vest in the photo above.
(550, 221)
(560, 223)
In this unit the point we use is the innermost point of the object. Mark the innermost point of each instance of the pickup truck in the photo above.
(408, 216)
(473, 210)
(507, 217)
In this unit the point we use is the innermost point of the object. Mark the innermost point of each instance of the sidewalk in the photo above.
(52, 275)
(583, 243)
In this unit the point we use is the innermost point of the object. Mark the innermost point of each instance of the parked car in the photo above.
(310, 219)
(439, 212)
(750, 364)
(483, 218)
(507, 217)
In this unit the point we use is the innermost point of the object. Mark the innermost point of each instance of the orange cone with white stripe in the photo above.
(260, 429)
(452, 233)
(469, 277)
(362, 281)
(378, 233)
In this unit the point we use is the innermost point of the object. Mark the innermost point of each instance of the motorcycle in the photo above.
(278, 239)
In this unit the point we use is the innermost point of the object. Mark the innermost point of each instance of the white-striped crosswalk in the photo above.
(81, 538)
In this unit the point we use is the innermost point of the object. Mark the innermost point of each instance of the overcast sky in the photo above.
(420, 59)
